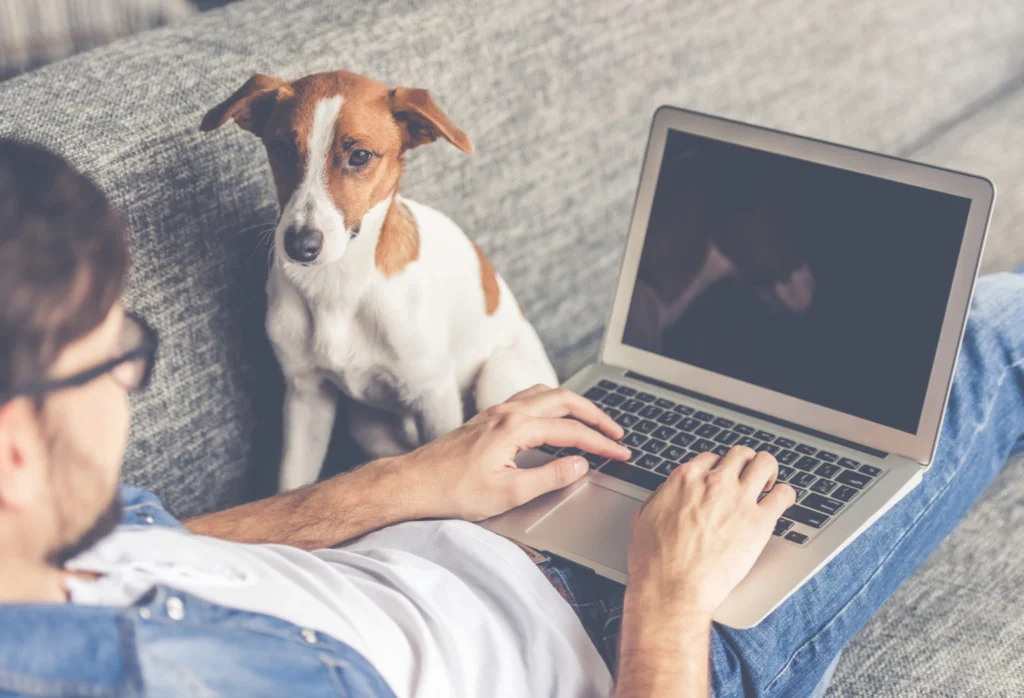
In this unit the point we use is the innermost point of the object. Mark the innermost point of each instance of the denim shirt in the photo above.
(171, 644)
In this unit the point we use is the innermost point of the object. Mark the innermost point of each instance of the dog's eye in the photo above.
(358, 158)
(283, 150)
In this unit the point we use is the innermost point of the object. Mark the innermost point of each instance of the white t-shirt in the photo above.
(439, 608)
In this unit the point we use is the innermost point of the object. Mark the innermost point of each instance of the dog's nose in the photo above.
(303, 244)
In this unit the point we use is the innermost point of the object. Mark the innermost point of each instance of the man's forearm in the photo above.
(320, 515)
(664, 649)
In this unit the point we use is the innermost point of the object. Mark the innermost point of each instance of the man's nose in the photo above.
(303, 244)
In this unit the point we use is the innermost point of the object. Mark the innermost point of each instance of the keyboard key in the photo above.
(724, 423)
(828, 456)
(645, 426)
(595, 394)
(703, 446)
(858, 480)
(571, 452)
(688, 424)
(807, 463)
(664, 404)
(785, 473)
(627, 420)
(787, 457)
(645, 397)
(633, 475)
(632, 406)
(749, 441)
(634, 439)
(744, 429)
(669, 418)
(800, 494)
(614, 399)
(720, 450)
(845, 493)
(727, 437)
(796, 537)
(784, 442)
(822, 504)
(626, 390)
(764, 436)
(769, 448)
(781, 526)
(704, 416)
(707, 431)
(664, 433)
(651, 412)
(689, 457)
(849, 463)
(823, 486)
(683, 410)
(667, 467)
(802, 480)
(549, 449)
(684, 440)
(870, 470)
(649, 461)
(674, 454)
(611, 412)
(808, 517)
(654, 446)
(595, 461)
(828, 469)
(806, 450)
(607, 385)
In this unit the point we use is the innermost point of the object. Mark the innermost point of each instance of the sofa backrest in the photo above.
(557, 98)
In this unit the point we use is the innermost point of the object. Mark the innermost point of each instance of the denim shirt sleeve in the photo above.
(140, 507)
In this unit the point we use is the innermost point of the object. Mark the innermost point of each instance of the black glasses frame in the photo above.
(146, 350)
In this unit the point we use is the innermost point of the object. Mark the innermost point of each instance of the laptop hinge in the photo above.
(759, 415)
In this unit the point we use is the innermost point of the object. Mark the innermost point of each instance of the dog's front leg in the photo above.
(309, 410)
(438, 410)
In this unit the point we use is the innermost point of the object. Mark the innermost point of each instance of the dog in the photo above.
(371, 294)
(705, 228)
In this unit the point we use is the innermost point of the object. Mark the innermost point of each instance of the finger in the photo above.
(735, 460)
(701, 464)
(531, 483)
(567, 433)
(760, 473)
(563, 402)
(775, 503)
(529, 392)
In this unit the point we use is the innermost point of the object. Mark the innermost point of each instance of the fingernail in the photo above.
(579, 464)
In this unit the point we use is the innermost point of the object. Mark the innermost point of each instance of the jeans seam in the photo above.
(860, 592)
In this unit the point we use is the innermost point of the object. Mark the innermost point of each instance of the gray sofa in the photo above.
(557, 98)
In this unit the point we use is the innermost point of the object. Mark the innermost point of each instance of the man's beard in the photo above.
(105, 523)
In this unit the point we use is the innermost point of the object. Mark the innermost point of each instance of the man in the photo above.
(398, 597)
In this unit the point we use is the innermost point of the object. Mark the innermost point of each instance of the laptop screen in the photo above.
(820, 283)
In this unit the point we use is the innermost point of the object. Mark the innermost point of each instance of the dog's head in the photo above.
(336, 143)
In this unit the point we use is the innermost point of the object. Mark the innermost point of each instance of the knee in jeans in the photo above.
(997, 312)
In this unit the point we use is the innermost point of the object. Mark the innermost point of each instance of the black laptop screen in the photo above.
(820, 283)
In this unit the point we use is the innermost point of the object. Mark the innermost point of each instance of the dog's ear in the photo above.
(250, 106)
(423, 121)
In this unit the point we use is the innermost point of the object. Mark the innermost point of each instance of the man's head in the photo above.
(63, 430)
(336, 143)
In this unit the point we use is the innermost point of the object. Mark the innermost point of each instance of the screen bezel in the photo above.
(920, 445)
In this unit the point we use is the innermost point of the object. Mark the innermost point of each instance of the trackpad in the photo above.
(594, 522)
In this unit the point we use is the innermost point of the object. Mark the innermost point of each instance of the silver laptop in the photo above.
(792, 295)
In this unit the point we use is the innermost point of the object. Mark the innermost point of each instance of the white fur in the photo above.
(409, 349)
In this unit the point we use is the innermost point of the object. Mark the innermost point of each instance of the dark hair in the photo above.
(63, 260)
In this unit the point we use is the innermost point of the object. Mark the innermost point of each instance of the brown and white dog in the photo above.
(371, 294)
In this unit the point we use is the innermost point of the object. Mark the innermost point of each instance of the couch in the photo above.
(557, 98)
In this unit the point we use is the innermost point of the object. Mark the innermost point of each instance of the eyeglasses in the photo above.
(131, 369)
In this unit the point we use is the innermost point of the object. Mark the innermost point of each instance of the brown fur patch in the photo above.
(489, 281)
(399, 241)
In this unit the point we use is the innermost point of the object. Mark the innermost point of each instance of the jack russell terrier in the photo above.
(372, 294)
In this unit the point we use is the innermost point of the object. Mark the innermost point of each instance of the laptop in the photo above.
(784, 293)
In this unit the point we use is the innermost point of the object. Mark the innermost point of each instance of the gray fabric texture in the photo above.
(557, 98)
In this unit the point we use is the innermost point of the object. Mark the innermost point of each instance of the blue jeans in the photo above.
(794, 650)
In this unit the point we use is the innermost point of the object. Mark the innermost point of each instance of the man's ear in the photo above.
(250, 106)
(423, 121)
(20, 454)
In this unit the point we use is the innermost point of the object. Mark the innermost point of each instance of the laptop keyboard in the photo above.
(662, 434)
